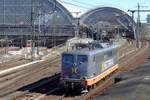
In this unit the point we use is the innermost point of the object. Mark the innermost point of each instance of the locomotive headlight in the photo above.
(74, 70)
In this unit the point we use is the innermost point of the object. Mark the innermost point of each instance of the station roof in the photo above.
(51, 15)
(18, 12)
(61, 14)
(108, 16)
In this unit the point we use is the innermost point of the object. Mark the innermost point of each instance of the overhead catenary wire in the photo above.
(68, 3)
(83, 3)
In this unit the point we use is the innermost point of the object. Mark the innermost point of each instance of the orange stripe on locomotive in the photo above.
(94, 80)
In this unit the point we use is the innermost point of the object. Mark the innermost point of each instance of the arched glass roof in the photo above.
(112, 16)
(55, 13)
(15, 16)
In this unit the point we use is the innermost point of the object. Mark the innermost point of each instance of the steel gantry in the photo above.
(138, 33)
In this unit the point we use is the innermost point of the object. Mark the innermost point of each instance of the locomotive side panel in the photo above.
(103, 64)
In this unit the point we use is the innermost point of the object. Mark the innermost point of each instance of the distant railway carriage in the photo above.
(83, 67)
(128, 34)
(29, 43)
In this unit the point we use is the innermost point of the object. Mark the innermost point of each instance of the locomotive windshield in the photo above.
(82, 58)
(68, 58)
(72, 59)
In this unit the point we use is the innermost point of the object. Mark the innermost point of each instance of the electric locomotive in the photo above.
(86, 64)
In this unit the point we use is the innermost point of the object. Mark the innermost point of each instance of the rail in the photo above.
(55, 51)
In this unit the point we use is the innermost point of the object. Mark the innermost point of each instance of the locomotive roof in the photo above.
(90, 51)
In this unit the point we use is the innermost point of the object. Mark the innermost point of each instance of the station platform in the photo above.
(135, 85)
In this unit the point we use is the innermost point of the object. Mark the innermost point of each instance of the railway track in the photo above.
(128, 65)
(40, 71)
(103, 85)
(50, 94)
(125, 50)
(11, 82)
(49, 89)
(41, 90)
(13, 63)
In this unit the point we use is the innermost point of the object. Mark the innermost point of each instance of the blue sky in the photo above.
(85, 5)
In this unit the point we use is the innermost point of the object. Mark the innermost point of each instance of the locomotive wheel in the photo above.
(94, 86)
(89, 88)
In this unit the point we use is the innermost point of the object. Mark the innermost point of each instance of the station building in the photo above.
(44, 20)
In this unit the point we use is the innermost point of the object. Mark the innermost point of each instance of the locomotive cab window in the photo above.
(68, 58)
(82, 59)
